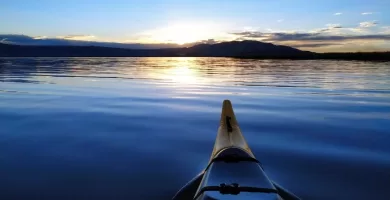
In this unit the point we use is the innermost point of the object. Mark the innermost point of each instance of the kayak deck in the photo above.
(233, 171)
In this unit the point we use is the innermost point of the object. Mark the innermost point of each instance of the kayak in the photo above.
(233, 171)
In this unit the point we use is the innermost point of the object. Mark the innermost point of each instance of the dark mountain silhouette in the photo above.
(225, 49)
(8, 50)
(245, 49)
(28, 40)
(237, 49)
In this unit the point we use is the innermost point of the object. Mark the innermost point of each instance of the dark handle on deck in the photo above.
(229, 126)
(234, 189)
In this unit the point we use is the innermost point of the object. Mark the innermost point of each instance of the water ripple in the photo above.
(89, 128)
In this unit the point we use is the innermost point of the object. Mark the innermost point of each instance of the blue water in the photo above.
(140, 128)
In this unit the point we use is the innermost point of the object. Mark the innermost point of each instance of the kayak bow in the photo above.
(233, 171)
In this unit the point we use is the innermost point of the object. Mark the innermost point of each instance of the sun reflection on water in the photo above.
(179, 71)
(181, 74)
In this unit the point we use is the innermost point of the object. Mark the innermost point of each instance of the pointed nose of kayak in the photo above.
(229, 134)
(227, 115)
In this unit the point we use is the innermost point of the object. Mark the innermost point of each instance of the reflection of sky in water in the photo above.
(92, 127)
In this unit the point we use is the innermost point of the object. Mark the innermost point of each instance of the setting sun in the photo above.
(184, 33)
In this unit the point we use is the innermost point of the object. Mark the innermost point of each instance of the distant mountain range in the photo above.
(238, 49)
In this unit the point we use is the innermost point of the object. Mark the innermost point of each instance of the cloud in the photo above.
(40, 37)
(329, 28)
(280, 20)
(314, 45)
(283, 36)
(367, 24)
(339, 13)
(77, 37)
(334, 26)
(249, 28)
(322, 41)
(209, 41)
(14, 38)
(367, 13)
(386, 30)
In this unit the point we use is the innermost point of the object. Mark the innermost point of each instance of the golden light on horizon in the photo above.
(184, 33)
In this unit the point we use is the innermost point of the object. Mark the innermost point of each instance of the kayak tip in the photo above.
(227, 111)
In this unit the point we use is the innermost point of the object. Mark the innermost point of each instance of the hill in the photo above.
(224, 49)
(236, 49)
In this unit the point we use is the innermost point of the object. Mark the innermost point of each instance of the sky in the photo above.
(320, 25)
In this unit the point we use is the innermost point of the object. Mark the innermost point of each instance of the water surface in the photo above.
(140, 128)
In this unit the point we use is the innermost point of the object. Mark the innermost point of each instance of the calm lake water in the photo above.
(140, 128)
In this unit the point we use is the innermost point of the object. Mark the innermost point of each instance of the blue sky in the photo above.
(174, 21)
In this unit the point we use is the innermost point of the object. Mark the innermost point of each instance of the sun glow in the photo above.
(184, 33)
